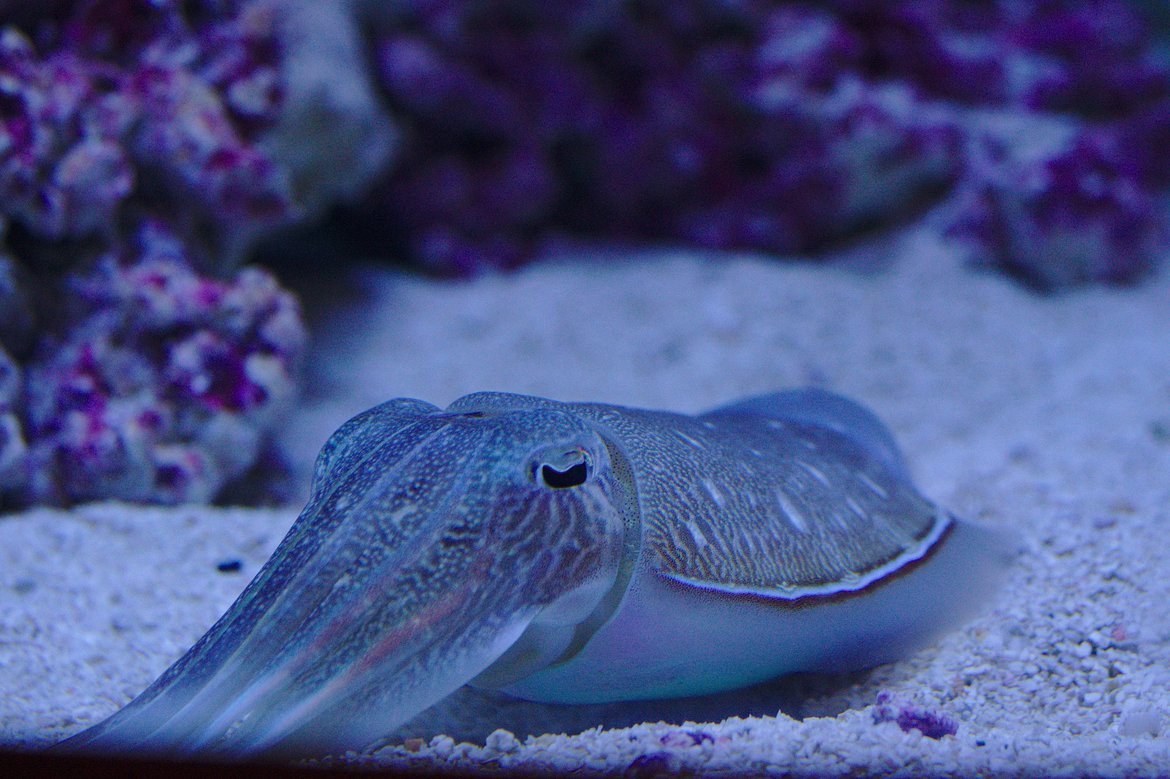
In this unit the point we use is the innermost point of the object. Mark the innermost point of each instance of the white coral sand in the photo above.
(1047, 414)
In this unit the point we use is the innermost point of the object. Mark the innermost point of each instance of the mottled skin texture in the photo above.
(737, 500)
(533, 545)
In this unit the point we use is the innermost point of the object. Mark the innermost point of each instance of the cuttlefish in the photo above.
(568, 553)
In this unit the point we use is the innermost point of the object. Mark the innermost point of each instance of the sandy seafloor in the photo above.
(1050, 415)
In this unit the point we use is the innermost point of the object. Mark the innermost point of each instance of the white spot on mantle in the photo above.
(873, 485)
(701, 542)
(714, 492)
(791, 513)
(814, 472)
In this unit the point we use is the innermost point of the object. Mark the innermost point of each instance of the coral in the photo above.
(777, 127)
(931, 724)
(159, 138)
(1089, 58)
(1101, 54)
(210, 110)
(167, 137)
(1073, 212)
(116, 106)
(847, 161)
(113, 113)
(164, 381)
(726, 126)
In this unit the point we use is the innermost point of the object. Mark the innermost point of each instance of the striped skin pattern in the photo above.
(563, 552)
(742, 502)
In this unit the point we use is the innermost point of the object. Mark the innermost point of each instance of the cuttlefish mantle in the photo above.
(567, 552)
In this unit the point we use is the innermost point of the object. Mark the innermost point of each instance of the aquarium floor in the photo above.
(1049, 415)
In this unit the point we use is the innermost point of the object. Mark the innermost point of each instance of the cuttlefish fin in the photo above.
(821, 408)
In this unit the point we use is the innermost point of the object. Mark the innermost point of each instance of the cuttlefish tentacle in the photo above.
(293, 647)
(413, 589)
(570, 552)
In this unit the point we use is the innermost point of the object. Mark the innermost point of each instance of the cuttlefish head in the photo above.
(437, 547)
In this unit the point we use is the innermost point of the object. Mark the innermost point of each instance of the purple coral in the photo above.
(1091, 58)
(55, 180)
(760, 126)
(111, 111)
(931, 724)
(1058, 218)
(165, 382)
(115, 106)
(1102, 55)
(144, 144)
(727, 126)
(148, 142)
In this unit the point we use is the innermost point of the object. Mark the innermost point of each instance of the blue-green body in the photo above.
(567, 552)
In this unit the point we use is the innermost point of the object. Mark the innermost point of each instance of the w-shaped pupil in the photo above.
(573, 476)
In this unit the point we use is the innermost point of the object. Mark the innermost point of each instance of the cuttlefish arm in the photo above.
(431, 544)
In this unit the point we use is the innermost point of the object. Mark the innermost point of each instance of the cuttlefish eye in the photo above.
(562, 469)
